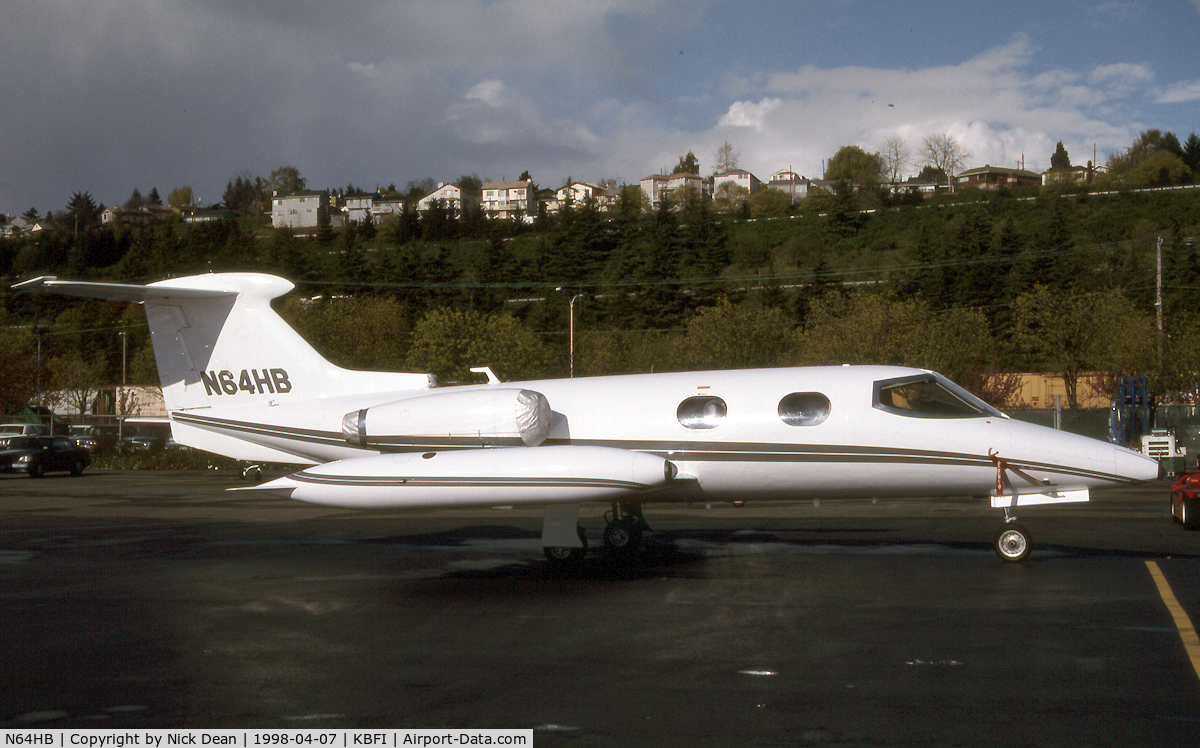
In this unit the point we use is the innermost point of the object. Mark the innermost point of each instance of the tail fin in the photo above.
(217, 341)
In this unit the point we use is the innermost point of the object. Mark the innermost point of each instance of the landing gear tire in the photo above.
(623, 537)
(623, 533)
(560, 556)
(563, 556)
(253, 473)
(1013, 543)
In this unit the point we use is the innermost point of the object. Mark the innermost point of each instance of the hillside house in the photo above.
(450, 195)
(302, 210)
(740, 177)
(990, 177)
(509, 199)
(658, 187)
(791, 183)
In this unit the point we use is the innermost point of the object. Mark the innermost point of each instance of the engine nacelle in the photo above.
(475, 417)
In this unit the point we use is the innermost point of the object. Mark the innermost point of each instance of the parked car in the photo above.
(38, 455)
(10, 430)
(93, 437)
(147, 439)
(1185, 501)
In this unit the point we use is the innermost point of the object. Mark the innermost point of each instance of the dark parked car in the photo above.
(145, 440)
(93, 437)
(38, 455)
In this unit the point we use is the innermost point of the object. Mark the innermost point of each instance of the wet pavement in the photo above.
(150, 600)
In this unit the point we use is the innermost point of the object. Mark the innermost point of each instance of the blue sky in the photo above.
(110, 95)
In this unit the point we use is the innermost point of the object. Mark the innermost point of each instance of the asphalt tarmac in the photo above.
(153, 600)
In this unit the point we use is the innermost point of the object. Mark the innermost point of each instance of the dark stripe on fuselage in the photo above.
(681, 450)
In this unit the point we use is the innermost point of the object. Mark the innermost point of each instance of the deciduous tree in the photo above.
(734, 337)
(769, 202)
(725, 158)
(1073, 333)
(359, 332)
(853, 164)
(448, 342)
(943, 152)
(286, 180)
(895, 157)
(730, 197)
(180, 197)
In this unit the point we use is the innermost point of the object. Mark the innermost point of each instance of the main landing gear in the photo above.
(622, 533)
(1013, 542)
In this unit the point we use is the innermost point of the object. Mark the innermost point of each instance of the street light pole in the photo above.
(39, 331)
(572, 332)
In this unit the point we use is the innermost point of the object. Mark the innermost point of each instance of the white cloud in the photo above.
(1122, 74)
(749, 114)
(493, 93)
(998, 104)
(1181, 92)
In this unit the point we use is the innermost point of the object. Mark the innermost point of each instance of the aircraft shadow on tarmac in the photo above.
(686, 553)
(669, 553)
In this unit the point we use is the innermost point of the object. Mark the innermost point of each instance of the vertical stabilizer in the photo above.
(217, 341)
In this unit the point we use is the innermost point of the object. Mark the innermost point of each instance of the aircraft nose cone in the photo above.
(1136, 466)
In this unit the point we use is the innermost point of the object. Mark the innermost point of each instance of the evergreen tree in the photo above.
(82, 212)
(135, 200)
(1060, 159)
(1191, 154)
(687, 164)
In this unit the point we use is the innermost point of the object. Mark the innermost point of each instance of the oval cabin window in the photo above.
(701, 412)
(804, 409)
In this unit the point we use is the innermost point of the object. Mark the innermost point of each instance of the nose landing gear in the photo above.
(1013, 542)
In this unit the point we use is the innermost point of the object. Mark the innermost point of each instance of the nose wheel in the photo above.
(1013, 542)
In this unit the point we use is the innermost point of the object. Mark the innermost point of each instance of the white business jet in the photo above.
(238, 381)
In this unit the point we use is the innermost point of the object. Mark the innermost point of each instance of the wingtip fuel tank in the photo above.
(479, 477)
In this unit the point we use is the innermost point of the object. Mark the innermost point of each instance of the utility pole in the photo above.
(124, 354)
(124, 350)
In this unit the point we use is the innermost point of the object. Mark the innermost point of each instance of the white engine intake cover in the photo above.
(476, 417)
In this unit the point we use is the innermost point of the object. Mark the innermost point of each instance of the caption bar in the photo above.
(261, 738)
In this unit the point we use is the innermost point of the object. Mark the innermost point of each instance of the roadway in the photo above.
(151, 600)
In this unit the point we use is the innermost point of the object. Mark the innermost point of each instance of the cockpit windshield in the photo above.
(930, 396)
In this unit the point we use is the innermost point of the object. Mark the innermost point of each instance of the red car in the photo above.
(1185, 501)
